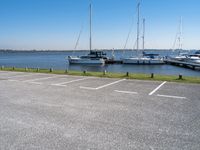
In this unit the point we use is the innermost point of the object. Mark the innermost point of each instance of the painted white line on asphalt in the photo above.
(103, 86)
(110, 84)
(170, 96)
(39, 83)
(63, 83)
(88, 88)
(20, 76)
(14, 80)
(156, 89)
(32, 80)
(58, 85)
(126, 92)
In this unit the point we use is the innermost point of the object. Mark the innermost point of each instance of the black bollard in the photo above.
(180, 77)
(127, 74)
(152, 75)
(104, 72)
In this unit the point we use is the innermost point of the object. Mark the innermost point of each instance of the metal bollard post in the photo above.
(152, 75)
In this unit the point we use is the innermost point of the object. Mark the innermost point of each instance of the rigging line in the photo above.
(178, 36)
(129, 33)
(79, 36)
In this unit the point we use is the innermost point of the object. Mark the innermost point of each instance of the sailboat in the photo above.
(181, 56)
(144, 59)
(94, 57)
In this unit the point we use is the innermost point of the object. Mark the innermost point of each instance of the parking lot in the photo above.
(47, 111)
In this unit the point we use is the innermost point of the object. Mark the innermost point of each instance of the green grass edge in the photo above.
(157, 77)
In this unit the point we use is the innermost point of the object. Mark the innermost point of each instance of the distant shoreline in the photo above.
(12, 50)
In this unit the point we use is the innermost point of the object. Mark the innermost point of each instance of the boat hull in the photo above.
(140, 61)
(86, 61)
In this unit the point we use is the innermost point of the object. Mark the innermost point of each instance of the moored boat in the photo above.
(94, 57)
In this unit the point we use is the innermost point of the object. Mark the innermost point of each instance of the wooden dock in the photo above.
(183, 64)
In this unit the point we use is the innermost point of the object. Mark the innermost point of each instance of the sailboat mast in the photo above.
(180, 35)
(138, 26)
(90, 25)
(143, 42)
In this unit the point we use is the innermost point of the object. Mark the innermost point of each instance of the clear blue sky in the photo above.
(55, 24)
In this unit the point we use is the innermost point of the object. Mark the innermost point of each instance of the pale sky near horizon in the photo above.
(55, 24)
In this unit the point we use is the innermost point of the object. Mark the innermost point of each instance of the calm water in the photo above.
(57, 60)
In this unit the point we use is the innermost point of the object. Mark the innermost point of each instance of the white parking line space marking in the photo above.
(72, 81)
(38, 79)
(13, 80)
(156, 89)
(17, 76)
(126, 92)
(39, 83)
(103, 86)
(170, 96)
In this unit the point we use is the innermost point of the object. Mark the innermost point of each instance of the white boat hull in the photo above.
(77, 60)
(193, 60)
(143, 61)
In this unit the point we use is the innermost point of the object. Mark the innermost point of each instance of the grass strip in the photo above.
(156, 77)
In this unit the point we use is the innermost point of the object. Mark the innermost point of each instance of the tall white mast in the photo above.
(180, 35)
(138, 26)
(143, 40)
(90, 25)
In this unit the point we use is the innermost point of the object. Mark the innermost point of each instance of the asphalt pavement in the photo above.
(62, 112)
